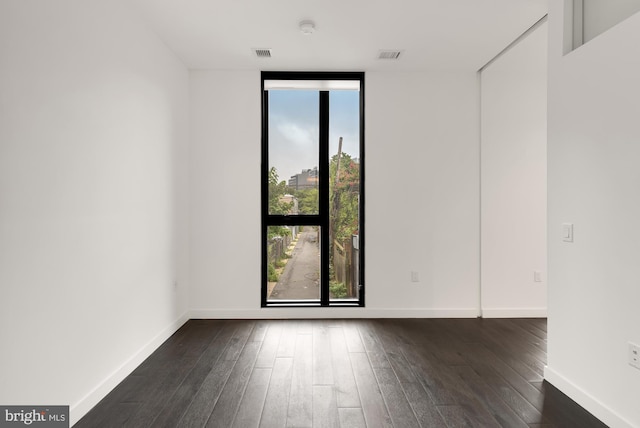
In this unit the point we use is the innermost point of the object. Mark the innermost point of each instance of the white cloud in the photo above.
(292, 147)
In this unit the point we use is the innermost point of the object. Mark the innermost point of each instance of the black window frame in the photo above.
(321, 219)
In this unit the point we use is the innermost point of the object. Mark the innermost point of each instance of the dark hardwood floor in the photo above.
(344, 373)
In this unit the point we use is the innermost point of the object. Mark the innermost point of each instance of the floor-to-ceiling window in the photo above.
(312, 189)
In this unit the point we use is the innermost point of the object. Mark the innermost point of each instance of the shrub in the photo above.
(338, 289)
(272, 275)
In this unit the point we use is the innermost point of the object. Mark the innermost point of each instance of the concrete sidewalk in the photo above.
(300, 277)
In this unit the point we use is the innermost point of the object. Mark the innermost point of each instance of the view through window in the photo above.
(312, 189)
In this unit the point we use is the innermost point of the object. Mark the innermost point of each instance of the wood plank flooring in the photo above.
(344, 373)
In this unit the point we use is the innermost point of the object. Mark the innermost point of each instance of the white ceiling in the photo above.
(434, 34)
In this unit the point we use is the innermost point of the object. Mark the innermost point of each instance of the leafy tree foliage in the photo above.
(307, 201)
(344, 190)
(277, 189)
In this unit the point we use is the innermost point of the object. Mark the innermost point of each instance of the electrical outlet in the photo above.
(414, 276)
(537, 276)
(634, 355)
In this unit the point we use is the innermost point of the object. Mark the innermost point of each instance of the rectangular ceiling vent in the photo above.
(389, 54)
(263, 53)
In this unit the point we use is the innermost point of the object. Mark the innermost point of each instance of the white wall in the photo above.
(514, 180)
(422, 196)
(422, 206)
(598, 16)
(593, 177)
(225, 188)
(93, 134)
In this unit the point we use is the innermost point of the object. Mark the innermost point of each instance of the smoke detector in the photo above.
(307, 27)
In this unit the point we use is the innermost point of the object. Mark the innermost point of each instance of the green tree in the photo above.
(344, 190)
(277, 189)
(307, 201)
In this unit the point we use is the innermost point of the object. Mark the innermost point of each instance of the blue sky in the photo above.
(293, 128)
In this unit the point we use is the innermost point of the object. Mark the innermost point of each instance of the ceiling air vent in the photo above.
(389, 54)
(263, 53)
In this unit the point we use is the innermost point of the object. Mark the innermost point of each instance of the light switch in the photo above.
(567, 232)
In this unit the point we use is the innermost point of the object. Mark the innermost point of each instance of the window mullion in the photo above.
(324, 196)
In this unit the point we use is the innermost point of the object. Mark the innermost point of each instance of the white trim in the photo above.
(314, 313)
(480, 111)
(514, 312)
(587, 401)
(85, 404)
(312, 85)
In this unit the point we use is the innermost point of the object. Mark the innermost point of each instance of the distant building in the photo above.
(307, 179)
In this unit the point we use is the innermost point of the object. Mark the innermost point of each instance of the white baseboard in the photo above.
(82, 407)
(514, 313)
(315, 313)
(586, 400)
